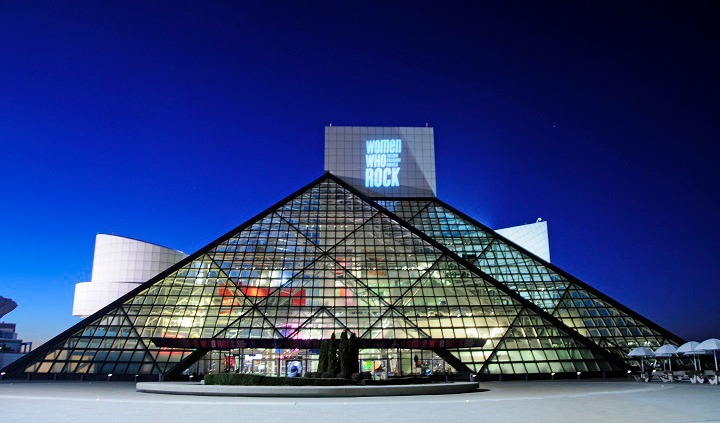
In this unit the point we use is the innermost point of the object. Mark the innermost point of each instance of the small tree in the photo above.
(333, 365)
(344, 355)
(323, 358)
(353, 353)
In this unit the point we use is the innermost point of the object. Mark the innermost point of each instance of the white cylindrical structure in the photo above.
(119, 265)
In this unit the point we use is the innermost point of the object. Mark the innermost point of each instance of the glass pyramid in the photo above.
(326, 259)
(590, 313)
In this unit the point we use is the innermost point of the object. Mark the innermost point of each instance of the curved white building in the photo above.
(120, 264)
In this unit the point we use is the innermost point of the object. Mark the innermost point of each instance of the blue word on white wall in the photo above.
(382, 163)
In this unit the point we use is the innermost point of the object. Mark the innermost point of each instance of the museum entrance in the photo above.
(380, 363)
(382, 358)
(261, 361)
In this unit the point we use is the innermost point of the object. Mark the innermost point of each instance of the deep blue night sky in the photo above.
(174, 122)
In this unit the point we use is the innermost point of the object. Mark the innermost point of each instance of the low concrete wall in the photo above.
(195, 388)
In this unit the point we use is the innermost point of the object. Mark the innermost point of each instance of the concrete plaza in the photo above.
(540, 401)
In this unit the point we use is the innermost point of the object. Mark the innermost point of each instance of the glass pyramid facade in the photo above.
(410, 272)
(606, 322)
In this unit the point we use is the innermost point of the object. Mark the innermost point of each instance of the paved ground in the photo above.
(584, 401)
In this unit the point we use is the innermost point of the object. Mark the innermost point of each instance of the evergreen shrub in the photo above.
(240, 379)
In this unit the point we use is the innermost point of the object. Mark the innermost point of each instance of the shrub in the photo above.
(353, 352)
(323, 358)
(344, 354)
(327, 375)
(234, 379)
(333, 362)
(440, 376)
(355, 377)
(262, 380)
(398, 381)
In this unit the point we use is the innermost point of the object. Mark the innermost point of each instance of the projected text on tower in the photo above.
(382, 163)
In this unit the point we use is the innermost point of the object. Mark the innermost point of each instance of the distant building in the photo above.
(120, 264)
(11, 348)
(6, 306)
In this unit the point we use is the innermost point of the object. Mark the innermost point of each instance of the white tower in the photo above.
(120, 264)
